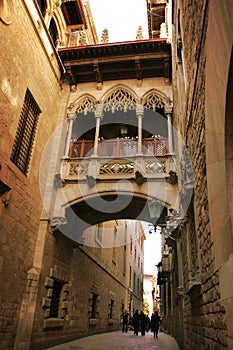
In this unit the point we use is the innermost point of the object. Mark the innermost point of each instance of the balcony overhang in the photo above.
(118, 61)
(73, 12)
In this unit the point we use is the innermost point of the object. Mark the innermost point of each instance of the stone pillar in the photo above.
(168, 112)
(98, 117)
(70, 121)
(28, 305)
(139, 113)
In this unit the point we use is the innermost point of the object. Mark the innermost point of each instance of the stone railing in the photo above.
(149, 167)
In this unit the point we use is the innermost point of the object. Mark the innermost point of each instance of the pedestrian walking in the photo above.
(143, 323)
(125, 321)
(147, 323)
(136, 319)
(155, 323)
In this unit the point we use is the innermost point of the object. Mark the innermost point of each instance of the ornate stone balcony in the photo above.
(140, 167)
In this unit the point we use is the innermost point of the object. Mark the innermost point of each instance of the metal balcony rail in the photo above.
(119, 147)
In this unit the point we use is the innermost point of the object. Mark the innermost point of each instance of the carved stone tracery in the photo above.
(153, 102)
(119, 100)
(117, 167)
(84, 105)
(78, 168)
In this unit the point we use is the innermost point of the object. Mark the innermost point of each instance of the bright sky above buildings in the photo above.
(121, 17)
(152, 250)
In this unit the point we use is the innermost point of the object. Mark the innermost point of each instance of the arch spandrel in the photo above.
(83, 104)
(118, 98)
(154, 98)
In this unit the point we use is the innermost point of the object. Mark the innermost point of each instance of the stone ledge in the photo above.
(93, 321)
(53, 323)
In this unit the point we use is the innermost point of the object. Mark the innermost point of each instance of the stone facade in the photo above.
(54, 288)
(35, 260)
(201, 83)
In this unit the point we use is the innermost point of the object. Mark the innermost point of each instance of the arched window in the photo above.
(53, 31)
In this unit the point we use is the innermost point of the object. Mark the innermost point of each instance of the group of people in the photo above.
(142, 323)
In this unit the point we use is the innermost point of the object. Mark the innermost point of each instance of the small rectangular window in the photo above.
(55, 300)
(111, 309)
(94, 306)
(25, 134)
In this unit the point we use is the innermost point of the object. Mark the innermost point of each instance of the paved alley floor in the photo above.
(121, 341)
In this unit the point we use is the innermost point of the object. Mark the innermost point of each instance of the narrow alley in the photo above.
(120, 341)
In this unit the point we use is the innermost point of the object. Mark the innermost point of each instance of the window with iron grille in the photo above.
(25, 134)
(111, 309)
(94, 303)
(55, 300)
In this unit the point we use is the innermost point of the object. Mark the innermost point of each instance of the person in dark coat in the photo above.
(125, 322)
(136, 319)
(155, 323)
(143, 323)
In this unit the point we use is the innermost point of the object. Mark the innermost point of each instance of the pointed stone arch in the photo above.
(84, 104)
(119, 98)
(155, 99)
(53, 11)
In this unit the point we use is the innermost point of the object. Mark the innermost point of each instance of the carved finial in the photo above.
(163, 30)
(139, 35)
(104, 37)
(83, 38)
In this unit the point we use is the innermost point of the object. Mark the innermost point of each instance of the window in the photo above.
(111, 309)
(94, 301)
(25, 134)
(53, 31)
(55, 300)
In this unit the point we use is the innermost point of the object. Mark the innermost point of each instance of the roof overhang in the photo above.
(125, 60)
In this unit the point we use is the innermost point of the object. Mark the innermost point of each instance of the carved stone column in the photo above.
(168, 113)
(139, 113)
(70, 120)
(98, 117)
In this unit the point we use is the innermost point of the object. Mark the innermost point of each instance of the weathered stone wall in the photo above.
(204, 312)
(23, 64)
(85, 269)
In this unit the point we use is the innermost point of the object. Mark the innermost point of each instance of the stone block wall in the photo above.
(203, 312)
(83, 270)
(23, 64)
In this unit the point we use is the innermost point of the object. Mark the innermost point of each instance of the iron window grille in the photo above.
(25, 134)
(55, 300)
(94, 305)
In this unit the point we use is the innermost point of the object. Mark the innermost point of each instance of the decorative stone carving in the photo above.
(86, 104)
(155, 167)
(78, 168)
(83, 38)
(139, 35)
(153, 102)
(104, 37)
(186, 176)
(120, 100)
(115, 167)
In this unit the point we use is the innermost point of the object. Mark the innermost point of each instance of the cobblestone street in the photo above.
(121, 341)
